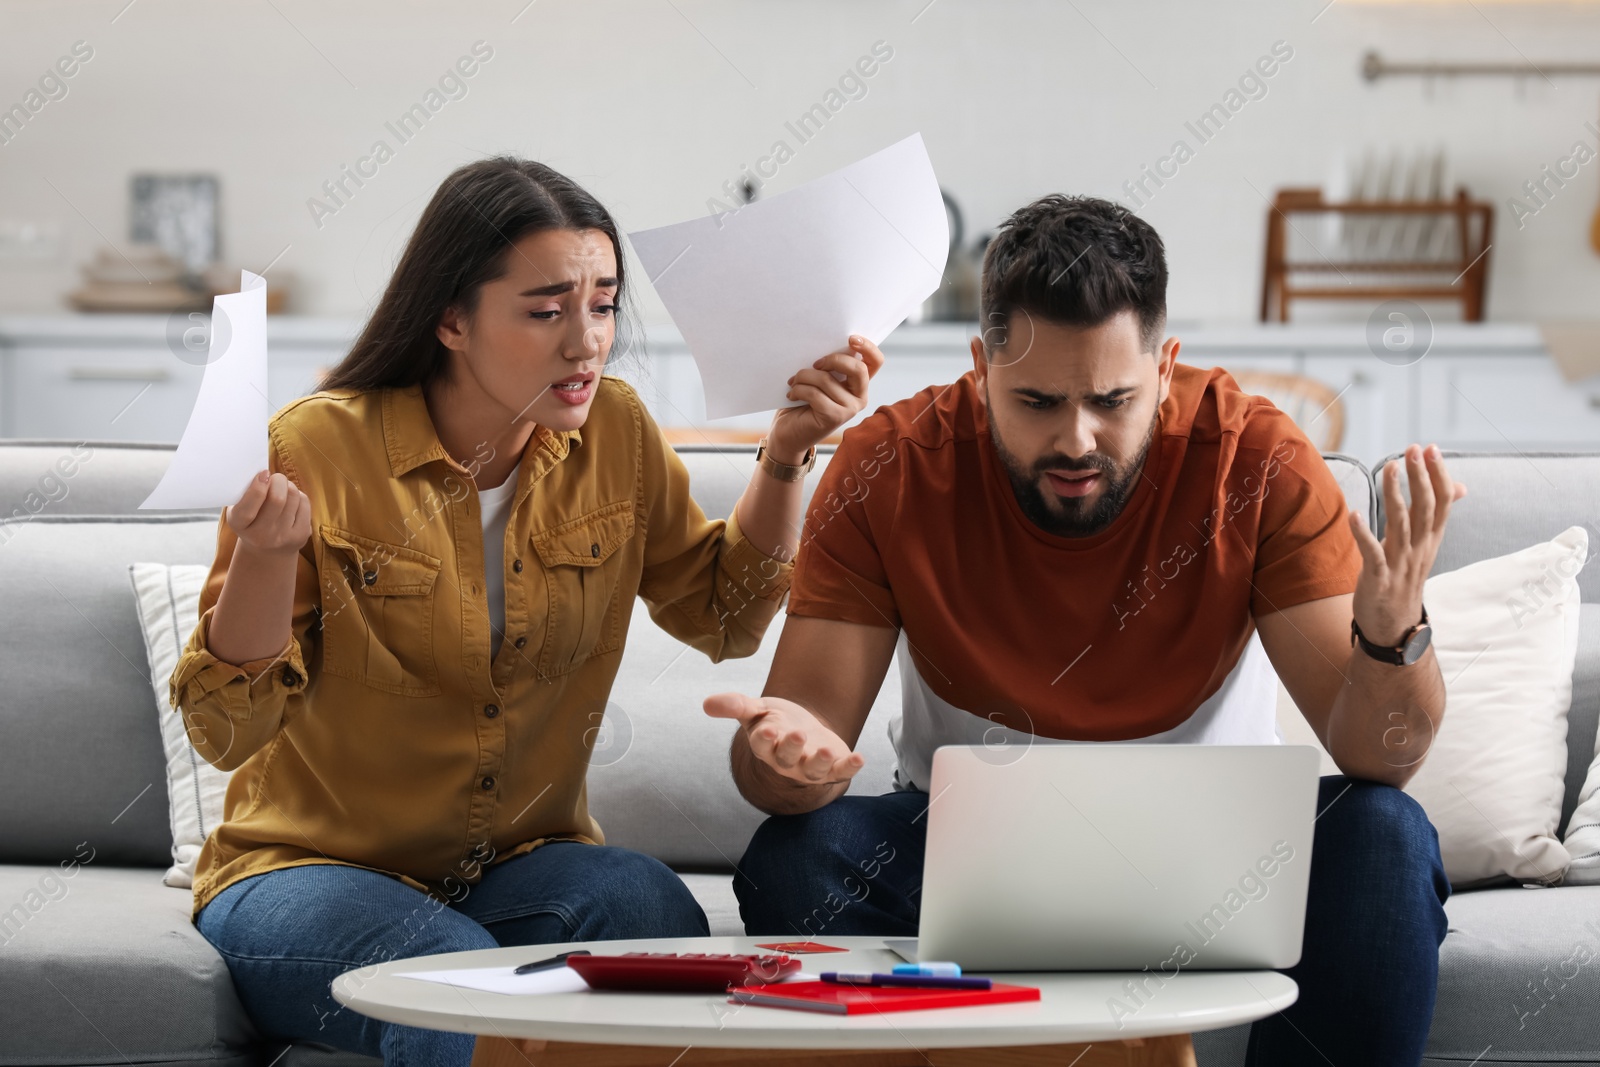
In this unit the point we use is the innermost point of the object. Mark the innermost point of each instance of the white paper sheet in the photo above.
(766, 290)
(225, 442)
(503, 980)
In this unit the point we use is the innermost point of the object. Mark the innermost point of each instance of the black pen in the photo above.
(914, 981)
(551, 963)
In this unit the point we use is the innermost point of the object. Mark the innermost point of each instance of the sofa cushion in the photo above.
(1584, 717)
(134, 981)
(1581, 824)
(110, 970)
(80, 757)
(80, 477)
(715, 895)
(1513, 990)
(1519, 971)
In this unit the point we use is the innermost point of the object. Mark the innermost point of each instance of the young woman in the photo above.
(415, 616)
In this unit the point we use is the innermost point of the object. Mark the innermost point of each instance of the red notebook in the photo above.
(842, 999)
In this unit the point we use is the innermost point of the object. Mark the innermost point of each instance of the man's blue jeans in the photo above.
(287, 934)
(1374, 918)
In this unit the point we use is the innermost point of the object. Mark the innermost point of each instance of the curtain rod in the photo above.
(1374, 66)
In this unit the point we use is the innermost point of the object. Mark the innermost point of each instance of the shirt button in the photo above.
(488, 781)
(371, 577)
(491, 710)
(516, 565)
(521, 641)
(594, 550)
(290, 677)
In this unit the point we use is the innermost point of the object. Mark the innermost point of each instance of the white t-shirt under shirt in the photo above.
(495, 505)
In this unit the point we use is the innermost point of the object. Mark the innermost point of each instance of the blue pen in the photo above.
(917, 981)
(936, 968)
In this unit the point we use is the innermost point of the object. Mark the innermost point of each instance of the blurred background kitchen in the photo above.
(1386, 216)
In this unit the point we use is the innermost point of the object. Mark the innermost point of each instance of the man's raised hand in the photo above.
(788, 738)
(1388, 596)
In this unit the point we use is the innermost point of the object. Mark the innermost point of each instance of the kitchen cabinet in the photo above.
(1478, 387)
(92, 393)
(135, 377)
(1501, 404)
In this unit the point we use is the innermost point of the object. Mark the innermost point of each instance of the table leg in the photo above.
(1171, 1051)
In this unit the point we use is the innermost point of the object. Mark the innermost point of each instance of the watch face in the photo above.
(1418, 644)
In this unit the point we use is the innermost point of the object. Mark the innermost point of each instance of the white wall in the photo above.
(653, 113)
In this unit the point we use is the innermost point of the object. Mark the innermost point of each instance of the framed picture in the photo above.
(179, 212)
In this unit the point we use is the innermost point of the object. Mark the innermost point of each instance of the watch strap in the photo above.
(1395, 654)
(785, 472)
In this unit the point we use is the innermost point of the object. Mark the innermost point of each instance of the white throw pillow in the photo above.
(169, 609)
(1583, 830)
(1506, 634)
(1505, 631)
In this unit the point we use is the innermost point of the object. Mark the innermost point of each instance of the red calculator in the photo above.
(690, 972)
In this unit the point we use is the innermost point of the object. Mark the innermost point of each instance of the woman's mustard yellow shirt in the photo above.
(383, 736)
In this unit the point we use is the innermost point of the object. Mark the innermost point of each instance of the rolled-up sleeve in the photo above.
(232, 710)
(703, 580)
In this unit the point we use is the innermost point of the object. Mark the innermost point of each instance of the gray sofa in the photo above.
(105, 967)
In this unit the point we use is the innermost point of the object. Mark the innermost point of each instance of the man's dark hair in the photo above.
(1077, 261)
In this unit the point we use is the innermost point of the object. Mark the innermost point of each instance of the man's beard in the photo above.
(1072, 516)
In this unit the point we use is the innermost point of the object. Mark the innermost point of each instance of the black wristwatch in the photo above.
(1413, 643)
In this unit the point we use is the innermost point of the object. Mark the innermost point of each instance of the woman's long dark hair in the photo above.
(460, 243)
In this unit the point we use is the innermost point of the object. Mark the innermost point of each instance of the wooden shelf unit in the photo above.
(1468, 271)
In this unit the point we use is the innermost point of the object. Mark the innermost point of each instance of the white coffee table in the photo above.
(1072, 1019)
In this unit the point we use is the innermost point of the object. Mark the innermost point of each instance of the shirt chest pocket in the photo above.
(378, 613)
(582, 568)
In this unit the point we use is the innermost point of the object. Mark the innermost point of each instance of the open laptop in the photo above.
(1117, 857)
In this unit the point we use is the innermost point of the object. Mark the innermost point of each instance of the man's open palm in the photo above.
(788, 738)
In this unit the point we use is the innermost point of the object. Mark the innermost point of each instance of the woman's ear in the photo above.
(452, 329)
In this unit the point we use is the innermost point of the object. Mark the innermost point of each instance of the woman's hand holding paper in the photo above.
(834, 389)
(272, 517)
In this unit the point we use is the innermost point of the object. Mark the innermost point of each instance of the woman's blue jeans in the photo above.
(287, 934)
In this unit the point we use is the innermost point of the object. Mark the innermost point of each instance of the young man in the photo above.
(1077, 540)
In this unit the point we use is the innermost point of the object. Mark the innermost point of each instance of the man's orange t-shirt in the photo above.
(1115, 636)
